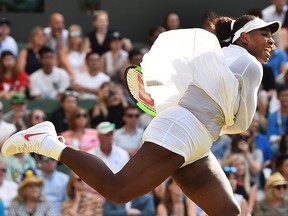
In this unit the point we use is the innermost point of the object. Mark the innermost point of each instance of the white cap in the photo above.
(257, 23)
(105, 127)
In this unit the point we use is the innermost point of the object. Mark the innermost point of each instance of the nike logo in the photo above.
(27, 136)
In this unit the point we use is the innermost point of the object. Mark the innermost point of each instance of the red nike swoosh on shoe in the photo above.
(27, 136)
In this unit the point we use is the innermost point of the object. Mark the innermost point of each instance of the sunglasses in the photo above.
(133, 115)
(3, 170)
(79, 115)
(71, 93)
(229, 169)
(279, 187)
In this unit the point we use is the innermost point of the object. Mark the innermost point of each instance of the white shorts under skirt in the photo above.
(179, 131)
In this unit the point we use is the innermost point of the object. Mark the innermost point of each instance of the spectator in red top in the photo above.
(11, 79)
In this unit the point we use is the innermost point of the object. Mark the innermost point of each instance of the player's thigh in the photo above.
(205, 183)
(147, 169)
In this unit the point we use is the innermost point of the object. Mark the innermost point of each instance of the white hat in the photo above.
(257, 23)
(105, 127)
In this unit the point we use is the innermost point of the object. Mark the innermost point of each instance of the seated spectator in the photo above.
(171, 21)
(56, 34)
(153, 35)
(19, 113)
(110, 105)
(7, 129)
(87, 84)
(231, 175)
(11, 79)
(36, 116)
(129, 136)
(282, 166)
(274, 203)
(208, 21)
(80, 135)
(80, 201)
(8, 189)
(278, 62)
(114, 61)
(28, 59)
(55, 182)
(142, 205)
(7, 42)
(49, 82)
(68, 102)
(283, 145)
(29, 200)
(17, 164)
(72, 58)
(245, 186)
(175, 202)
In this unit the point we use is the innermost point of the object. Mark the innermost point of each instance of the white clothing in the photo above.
(7, 129)
(116, 160)
(8, 191)
(51, 41)
(126, 140)
(49, 86)
(111, 62)
(10, 44)
(217, 87)
(85, 79)
(269, 14)
(76, 60)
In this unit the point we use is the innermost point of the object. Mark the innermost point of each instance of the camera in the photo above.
(235, 140)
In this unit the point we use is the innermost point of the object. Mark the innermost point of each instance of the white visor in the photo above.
(257, 23)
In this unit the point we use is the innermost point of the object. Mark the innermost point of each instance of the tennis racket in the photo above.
(135, 85)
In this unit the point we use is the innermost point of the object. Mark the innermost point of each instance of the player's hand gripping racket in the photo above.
(135, 85)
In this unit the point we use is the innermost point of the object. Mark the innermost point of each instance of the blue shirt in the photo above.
(277, 59)
(262, 143)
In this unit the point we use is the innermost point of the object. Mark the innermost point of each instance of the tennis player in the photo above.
(207, 91)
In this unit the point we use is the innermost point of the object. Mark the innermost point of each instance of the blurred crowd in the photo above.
(68, 65)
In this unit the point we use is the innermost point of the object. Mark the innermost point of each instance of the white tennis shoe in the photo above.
(31, 140)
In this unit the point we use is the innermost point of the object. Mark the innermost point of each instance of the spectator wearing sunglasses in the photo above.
(36, 116)
(274, 203)
(129, 136)
(8, 189)
(79, 134)
(55, 182)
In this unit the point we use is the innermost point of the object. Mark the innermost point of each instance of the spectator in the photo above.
(245, 186)
(29, 200)
(129, 136)
(275, 11)
(283, 146)
(28, 59)
(7, 42)
(80, 201)
(278, 62)
(99, 38)
(142, 205)
(8, 189)
(175, 202)
(36, 116)
(87, 84)
(221, 146)
(282, 166)
(276, 126)
(274, 203)
(114, 61)
(61, 115)
(7, 129)
(110, 106)
(231, 175)
(113, 156)
(56, 34)
(73, 57)
(49, 81)
(11, 79)
(55, 182)
(171, 21)
(283, 35)
(153, 35)
(19, 113)
(208, 21)
(80, 135)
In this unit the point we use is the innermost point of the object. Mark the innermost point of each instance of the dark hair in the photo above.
(130, 107)
(223, 29)
(282, 144)
(280, 88)
(255, 12)
(2, 69)
(166, 19)
(133, 53)
(280, 160)
(91, 53)
(285, 22)
(44, 50)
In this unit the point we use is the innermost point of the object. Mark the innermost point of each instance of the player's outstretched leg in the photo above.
(205, 183)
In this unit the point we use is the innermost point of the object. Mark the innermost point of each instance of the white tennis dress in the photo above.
(205, 91)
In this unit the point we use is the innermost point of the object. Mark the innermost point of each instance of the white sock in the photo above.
(52, 147)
